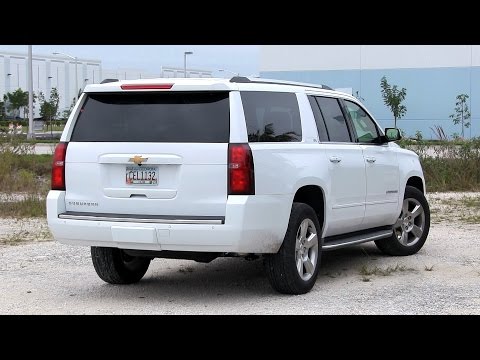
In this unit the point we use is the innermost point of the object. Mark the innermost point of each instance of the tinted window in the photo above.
(271, 116)
(334, 119)
(322, 130)
(154, 117)
(364, 126)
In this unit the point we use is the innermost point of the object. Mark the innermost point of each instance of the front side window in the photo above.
(364, 126)
(271, 116)
(334, 119)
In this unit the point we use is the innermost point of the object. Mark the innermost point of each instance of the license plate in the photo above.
(141, 175)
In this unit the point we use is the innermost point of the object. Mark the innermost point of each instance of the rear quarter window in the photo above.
(271, 116)
(202, 117)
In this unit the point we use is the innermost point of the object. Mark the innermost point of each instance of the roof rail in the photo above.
(243, 79)
(108, 81)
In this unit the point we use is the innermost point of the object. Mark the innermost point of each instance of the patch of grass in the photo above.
(24, 172)
(45, 234)
(428, 268)
(449, 165)
(470, 202)
(470, 219)
(366, 271)
(15, 238)
(31, 206)
(465, 209)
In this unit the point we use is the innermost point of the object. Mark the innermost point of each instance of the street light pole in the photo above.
(74, 58)
(185, 62)
(30, 133)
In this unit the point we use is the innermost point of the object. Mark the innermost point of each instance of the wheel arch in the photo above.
(416, 182)
(314, 196)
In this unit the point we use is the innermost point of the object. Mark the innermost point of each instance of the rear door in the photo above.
(346, 167)
(150, 153)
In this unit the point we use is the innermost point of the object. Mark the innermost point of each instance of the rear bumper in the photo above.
(252, 224)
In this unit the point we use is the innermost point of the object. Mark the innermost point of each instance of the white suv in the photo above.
(201, 168)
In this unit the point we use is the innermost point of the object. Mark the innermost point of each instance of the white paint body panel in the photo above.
(192, 178)
(347, 188)
(383, 184)
(193, 182)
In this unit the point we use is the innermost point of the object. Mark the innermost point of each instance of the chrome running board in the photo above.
(340, 241)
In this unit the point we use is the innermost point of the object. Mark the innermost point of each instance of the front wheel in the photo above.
(294, 269)
(114, 266)
(411, 229)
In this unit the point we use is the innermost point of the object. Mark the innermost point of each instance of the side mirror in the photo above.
(392, 134)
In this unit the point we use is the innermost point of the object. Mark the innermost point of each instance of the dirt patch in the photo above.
(18, 231)
(46, 277)
(455, 207)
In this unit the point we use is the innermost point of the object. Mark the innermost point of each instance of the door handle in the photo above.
(370, 159)
(335, 159)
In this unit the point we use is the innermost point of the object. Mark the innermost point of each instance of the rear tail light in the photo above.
(58, 166)
(241, 176)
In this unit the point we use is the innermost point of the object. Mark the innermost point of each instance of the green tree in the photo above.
(462, 113)
(66, 112)
(49, 107)
(25, 108)
(2, 110)
(16, 100)
(393, 97)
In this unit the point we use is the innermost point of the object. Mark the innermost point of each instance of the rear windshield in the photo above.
(154, 117)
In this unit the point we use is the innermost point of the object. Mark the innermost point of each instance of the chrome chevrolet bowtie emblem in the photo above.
(138, 159)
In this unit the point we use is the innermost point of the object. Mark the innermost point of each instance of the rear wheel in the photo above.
(294, 269)
(114, 266)
(411, 229)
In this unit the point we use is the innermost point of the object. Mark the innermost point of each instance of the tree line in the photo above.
(17, 101)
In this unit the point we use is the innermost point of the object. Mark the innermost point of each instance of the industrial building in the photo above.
(48, 71)
(433, 76)
(58, 71)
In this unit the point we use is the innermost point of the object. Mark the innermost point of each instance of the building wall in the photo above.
(48, 72)
(432, 75)
(165, 72)
(58, 71)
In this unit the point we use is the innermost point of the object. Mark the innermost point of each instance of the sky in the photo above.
(242, 59)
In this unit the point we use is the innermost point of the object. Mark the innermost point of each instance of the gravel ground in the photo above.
(44, 277)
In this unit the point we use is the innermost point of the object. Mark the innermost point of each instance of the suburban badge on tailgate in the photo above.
(138, 159)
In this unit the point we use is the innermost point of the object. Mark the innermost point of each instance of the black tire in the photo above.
(393, 246)
(281, 267)
(114, 266)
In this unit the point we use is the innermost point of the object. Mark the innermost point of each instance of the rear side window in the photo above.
(334, 119)
(272, 116)
(202, 117)
(322, 130)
